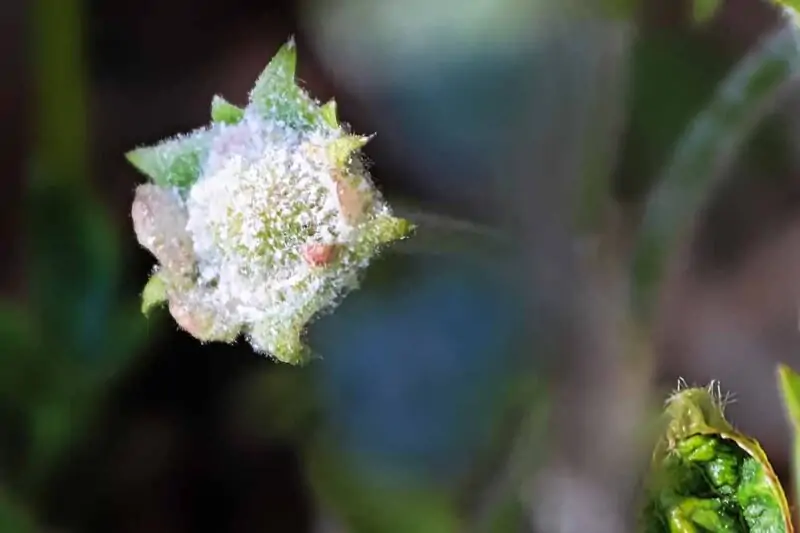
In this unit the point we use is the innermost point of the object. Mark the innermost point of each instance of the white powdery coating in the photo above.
(265, 192)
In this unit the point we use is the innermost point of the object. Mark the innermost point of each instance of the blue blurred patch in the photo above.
(415, 363)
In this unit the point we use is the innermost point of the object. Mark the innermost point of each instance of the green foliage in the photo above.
(76, 328)
(368, 503)
(792, 5)
(704, 10)
(706, 476)
(694, 171)
(789, 385)
(13, 517)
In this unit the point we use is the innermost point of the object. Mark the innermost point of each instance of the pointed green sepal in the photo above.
(343, 148)
(279, 72)
(283, 341)
(154, 294)
(225, 112)
(389, 229)
(328, 113)
(172, 163)
(276, 94)
(381, 231)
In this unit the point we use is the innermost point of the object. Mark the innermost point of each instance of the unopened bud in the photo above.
(261, 220)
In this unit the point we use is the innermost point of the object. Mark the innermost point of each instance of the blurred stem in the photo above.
(59, 176)
(741, 101)
(441, 234)
(61, 121)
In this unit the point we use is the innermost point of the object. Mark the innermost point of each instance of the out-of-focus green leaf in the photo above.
(739, 104)
(254, 399)
(70, 331)
(789, 385)
(128, 332)
(61, 109)
(793, 5)
(55, 423)
(17, 332)
(789, 382)
(369, 504)
(13, 517)
(704, 10)
(74, 271)
(17, 358)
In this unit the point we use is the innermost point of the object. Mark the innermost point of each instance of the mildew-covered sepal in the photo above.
(277, 96)
(708, 477)
(176, 162)
(225, 112)
(263, 219)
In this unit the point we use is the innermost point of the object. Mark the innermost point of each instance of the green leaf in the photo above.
(175, 162)
(75, 270)
(792, 5)
(255, 395)
(369, 503)
(17, 331)
(704, 10)
(225, 112)
(739, 104)
(13, 516)
(20, 364)
(707, 476)
(789, 385)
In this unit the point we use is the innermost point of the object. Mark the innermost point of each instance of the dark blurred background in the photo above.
(464, 389)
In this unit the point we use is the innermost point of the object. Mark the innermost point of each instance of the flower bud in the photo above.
(261, 220)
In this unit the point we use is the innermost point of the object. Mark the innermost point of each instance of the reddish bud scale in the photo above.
(319, 254)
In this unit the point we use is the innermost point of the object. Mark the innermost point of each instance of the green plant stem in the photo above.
(61, 121)
(438, 234)
(58, 179)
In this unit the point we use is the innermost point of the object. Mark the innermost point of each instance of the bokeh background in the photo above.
(493, 379)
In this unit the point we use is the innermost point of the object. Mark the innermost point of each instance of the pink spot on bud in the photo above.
(318, 254)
